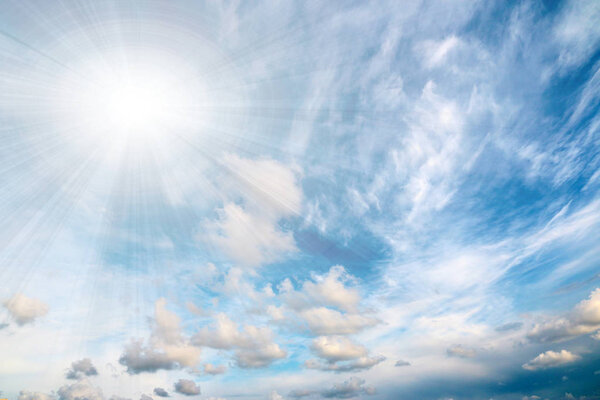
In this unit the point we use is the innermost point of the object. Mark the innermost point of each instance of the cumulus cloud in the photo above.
(27, 395)
(161, 392)
(361, 363)
(275, 396)
(583, 319)
(337, 348)
(250, 233)
(351, 388)
(25, 309)
(254, 346)
(551, 359)
(211, 369)
(167, 348)
(327, 304)
(249, 239)
(187, 387)
(80, 390)
(461, 351)
(340, 354)
(81, 368)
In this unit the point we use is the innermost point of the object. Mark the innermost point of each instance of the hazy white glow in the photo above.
(108, 99)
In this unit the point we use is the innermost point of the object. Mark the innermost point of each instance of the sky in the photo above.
(306, 200)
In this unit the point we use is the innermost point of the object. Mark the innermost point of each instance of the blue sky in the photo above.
(299, 200)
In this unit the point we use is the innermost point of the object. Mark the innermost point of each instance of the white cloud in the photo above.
(461, 351)
(82, 389)
(353, 387)
(434, 53)
(326, 321)
(577, 32)
(211, 369)
(167, 348)
(551, 359)
(266, 184)
(249, 239)
(25, 309)
(27, 395)
(275, 396)
(187, 387)
(584, 318)
(337, 348)
(248, 231)
(254, 346)
(340, 354)
(327, 290)
(259, 357)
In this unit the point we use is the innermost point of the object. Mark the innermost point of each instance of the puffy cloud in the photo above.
(25, 309)
(80, 390)
(326, 304)
(259, 357)
(348, 389)
(358, 364)
(584, 318)
(337, 348)
(161, 392)
(250, 234)
(187, 387)
(81, 368)
(326, 321)
(254, 346)
(551, 359)
(275, 396)
(249, 239)
(26, 395)
(326, 290)
(214, 369)
(166, 349)
(461, 351)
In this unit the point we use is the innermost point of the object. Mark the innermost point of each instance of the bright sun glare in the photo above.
(113, 101)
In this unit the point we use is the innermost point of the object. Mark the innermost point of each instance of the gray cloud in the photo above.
(187, 387)
(161, 392)
(81, 368)
(461, 351)
(80, 390)
(511, 326)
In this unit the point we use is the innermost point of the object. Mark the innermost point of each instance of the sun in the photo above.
(110, 100)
